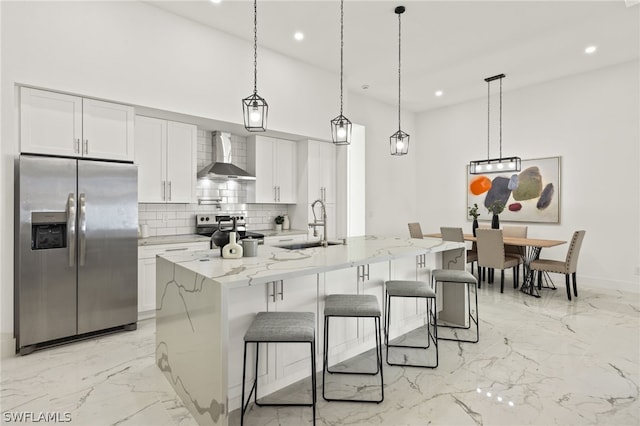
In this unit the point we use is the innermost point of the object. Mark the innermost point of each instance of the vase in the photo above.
(278, 227)
(495, 222)
(474, 226)
(286, 225)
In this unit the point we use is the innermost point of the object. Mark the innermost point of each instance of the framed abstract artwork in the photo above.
(531, 195)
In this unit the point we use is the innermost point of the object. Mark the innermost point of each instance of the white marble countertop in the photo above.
(273, 263)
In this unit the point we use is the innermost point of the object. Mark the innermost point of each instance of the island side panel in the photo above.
(454, 295)
(190, 339)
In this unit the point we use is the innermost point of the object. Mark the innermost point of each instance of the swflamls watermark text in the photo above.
(36, 416)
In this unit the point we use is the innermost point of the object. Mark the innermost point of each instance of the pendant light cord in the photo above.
(341, 49)
(255, 47)
(399, 64)
(500, 118)
(488, 118)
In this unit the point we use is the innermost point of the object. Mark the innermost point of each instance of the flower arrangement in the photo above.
(279, 220)
(473, 211)
(496, 207)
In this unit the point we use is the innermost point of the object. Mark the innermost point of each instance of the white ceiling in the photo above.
(446, 45)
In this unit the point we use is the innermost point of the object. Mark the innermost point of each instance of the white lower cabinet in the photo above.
(280, 364)
(147, 271)
(405, 312)
(350, 336)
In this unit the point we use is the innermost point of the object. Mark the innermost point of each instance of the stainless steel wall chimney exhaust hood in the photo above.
(222, 167)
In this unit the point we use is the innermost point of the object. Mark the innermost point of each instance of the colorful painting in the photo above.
(531, 195)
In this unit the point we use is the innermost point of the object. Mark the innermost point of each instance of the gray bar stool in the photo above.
(415, 289)
(468, 279)
(358, 306)
(279, 327)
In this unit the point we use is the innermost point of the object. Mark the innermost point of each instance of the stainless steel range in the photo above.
(208, 224)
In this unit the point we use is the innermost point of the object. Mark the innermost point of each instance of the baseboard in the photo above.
(609, 284)
(7, 346)
(146, 315)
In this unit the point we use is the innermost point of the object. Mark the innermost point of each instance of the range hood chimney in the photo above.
(222, 167)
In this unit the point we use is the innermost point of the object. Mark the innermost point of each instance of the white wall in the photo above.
(135, 53)
(391, 181)
(590, 120)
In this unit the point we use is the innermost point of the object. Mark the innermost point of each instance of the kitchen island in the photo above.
(206, 303)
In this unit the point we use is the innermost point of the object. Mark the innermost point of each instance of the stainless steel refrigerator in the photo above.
(76, 249)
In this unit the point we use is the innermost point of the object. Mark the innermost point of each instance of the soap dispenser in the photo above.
(233, 250)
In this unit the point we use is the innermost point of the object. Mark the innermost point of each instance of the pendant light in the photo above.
(254, 107)
(500, 164)
(399, 141)
(341, 126)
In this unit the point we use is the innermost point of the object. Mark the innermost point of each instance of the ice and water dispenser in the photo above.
(48, 230)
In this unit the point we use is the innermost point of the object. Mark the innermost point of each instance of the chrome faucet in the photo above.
(317, 223)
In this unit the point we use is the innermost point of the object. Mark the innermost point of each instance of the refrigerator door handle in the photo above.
(71, 227)
(83, 228)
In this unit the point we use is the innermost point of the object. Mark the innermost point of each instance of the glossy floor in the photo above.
(539, 362)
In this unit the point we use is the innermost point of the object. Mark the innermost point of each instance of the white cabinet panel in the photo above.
(59, 124)
(107, 130)
(181, 162)
(274, 164)
(166, 158)
(151, 154)
(50, 123)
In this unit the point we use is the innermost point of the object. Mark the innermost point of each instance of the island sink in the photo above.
(306, 245)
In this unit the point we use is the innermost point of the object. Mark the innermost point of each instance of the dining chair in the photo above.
(456, 234)
(566, 267)
(491, 255)
(415, 231)
(510, 249)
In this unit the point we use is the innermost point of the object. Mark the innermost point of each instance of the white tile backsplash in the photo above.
(175, 219)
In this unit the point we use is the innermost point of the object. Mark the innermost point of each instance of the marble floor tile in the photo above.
(542, 361)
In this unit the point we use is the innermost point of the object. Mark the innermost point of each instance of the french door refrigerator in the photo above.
(76, 249)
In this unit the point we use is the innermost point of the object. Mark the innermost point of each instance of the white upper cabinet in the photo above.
(322, 171)
(166, 159)
(273, 162)
(58, 124)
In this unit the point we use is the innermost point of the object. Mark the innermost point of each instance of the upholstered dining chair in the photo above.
(566, 267)
(456, 234)
(415, 231)
(491, 254)
(516, 251)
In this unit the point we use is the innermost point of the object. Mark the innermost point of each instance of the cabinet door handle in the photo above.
(275, 193)
(178, 249)
(76, 145)
(164, 189)
(169, 190)
(278, 193)
(281, 290)
(273, 291)
(285, 239)
(86, 147)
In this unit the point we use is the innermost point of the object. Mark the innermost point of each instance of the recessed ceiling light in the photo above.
(438, 92)
(216, 1)
(590, 49)
(298, 36)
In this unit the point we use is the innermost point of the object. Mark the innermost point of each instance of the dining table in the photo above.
(532, 246)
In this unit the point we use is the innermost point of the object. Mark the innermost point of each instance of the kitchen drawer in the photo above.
(150, 251)
(284, 239)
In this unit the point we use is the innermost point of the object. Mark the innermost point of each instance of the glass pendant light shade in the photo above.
(255, 110)
(341, 130)
(341, 125)
(494, 165)
(399, 143)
